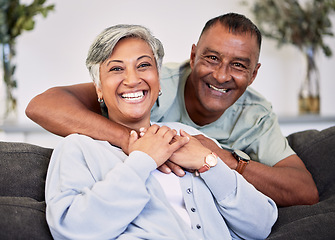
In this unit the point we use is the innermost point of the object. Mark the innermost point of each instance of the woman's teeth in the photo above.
(218, 89)
(133, 95)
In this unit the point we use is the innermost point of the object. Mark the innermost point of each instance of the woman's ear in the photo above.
(99, 91)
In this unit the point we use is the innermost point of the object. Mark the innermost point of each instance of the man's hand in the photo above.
(191, 155)
(223, 154)
(169, 167)
(208, 143)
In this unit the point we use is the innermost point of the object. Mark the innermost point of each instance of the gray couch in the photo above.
(23, 170)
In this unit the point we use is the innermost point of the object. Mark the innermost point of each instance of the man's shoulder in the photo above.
(253, 98)
(171, 76)
(172, 70)
(177, 126)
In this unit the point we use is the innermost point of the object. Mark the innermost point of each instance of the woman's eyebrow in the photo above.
(120, 61)
(110, 61)
(144, 56)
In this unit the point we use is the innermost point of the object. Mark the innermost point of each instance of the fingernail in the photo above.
(142, 129)
(181, 172)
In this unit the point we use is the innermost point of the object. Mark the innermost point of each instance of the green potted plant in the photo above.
(14, 19)
(304, 25)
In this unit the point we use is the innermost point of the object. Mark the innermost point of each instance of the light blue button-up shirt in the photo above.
(95, 191)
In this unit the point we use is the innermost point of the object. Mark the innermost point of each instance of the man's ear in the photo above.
(254, 74)
(192, 57)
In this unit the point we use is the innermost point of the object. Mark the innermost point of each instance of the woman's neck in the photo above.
(137, 126)
(134, 125)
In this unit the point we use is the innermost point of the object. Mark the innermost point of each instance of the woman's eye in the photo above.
(144, 65)
(115, 69)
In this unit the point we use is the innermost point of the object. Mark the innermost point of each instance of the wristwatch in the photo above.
(210, 161)
(243, 160)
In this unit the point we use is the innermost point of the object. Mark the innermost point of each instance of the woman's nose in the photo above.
(131, 78)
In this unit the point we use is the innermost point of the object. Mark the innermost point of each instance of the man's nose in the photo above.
(222, 73)
(131, 78)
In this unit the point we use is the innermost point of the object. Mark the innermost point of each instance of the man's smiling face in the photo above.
(223, 65)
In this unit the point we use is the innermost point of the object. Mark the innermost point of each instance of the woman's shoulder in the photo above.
(79, 141)
(177, 126)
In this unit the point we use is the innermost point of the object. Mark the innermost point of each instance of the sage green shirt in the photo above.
(249, 124)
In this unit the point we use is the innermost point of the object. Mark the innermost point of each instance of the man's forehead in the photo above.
(218, 36)
(219, 29)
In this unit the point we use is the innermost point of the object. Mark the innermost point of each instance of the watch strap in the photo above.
(204, 168)
(241, 166)
(242, 160)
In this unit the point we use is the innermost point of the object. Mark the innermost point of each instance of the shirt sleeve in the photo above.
(269, 145)
(79, 206)
(248, 213)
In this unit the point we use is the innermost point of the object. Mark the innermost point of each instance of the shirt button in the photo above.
(198, 226)
(193, 209)
(189, 190)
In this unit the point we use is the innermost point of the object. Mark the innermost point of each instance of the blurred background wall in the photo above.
(54, 52)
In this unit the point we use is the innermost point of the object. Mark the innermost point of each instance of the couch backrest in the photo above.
(317, 151)
(23, 166)
(23, 169)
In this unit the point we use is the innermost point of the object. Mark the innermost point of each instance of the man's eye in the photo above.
(212, 58)
(239, 65)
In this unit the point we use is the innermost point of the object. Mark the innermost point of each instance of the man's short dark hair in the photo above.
(236, 23)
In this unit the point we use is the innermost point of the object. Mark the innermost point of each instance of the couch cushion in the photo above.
(306, 222)
(317, 151)
(23, 169)
(23, 218)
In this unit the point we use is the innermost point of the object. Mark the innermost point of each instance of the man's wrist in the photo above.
(242, 160)
(124, 140)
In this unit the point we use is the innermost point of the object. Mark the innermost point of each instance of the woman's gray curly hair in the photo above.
(103, 46)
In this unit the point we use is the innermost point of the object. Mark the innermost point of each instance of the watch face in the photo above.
(242, 155)
(211, 160)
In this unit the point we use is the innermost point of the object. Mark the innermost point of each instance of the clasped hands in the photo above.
(170, 151)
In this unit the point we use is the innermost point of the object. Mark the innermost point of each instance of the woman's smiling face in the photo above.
(129, 83)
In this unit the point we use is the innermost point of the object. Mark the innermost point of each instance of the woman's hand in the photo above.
(192, 155)
(157, 143)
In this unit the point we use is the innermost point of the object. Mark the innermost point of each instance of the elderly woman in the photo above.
(95, 191)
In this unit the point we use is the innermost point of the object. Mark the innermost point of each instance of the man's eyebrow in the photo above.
(245, 60)
(211, 51)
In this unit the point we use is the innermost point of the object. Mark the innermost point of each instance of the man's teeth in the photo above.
(133, 96)
(218, 89)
